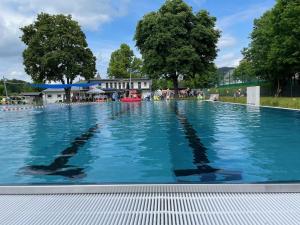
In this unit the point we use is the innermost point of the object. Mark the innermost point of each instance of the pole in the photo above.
(130, 79)
(292, 86)
(5, 87)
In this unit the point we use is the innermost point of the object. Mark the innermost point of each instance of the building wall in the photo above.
(29, 100)
(122, 85)
(33, 100)
(53, 97)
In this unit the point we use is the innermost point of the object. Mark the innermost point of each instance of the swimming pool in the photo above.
(150, 142)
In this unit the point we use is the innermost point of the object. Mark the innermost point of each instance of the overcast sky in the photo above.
(108, 23)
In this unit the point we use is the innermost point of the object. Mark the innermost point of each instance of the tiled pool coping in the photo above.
(150, 188)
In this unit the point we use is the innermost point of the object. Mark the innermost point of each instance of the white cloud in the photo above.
(242, 16)
(90, 14)
(226, 41)
(231, 59)
(103, 57)
(230, 46)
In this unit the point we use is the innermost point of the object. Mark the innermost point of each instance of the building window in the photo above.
(49, 96)
(59, 96)
(145, 84)
(106, 85)
(115, 85)
(132, 86)
(111, 85)
(139, 85)
(124, 84)
(119, 85)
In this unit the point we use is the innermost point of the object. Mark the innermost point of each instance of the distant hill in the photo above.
(225, 75)
(15, 87)
(224, 70)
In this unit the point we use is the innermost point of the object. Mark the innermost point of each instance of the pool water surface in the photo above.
(150, 142)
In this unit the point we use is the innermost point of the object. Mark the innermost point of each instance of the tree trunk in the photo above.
(278, 89)
(175, 84)
(68, 95)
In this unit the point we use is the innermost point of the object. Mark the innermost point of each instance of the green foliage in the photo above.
(123, 62)
(161, 84)
(240, 100)
(2, 90)
(57, 50)
(245, 72)
(275, 47)
(208, 78)
(230, 90)
(293, 103)
(174, 41)
(15, 87)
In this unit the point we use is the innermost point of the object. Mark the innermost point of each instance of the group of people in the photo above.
(238, 93)
(185, 93)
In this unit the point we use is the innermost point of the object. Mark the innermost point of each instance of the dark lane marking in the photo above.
(59, 166)
(206, 172)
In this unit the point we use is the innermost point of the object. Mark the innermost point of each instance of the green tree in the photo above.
(57, 51)
(176, 42)
(245, 72)
(207, 79)
(161, 84)
(275, 46)
(15, 87)
(2, 92)
(123, 63)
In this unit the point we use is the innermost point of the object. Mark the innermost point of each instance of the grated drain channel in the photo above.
(142, 208)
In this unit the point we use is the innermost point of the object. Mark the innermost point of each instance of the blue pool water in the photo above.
(150, 142)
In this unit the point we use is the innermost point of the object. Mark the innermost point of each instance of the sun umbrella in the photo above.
(96, 91)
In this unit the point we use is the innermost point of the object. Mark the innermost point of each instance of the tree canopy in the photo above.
(57, 50)
(123, 63)
(245, 72)
(208, 78)
(274, 51)
(175, 41)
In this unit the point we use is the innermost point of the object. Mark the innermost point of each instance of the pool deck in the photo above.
(182, 204)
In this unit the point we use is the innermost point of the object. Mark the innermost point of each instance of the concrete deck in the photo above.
(151, 204)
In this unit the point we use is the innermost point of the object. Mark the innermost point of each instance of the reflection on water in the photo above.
(59, 166)
(203, 170)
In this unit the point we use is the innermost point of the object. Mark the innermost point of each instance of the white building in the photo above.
(143, 85)
(33, 98)
(57, 95)
(109, 86)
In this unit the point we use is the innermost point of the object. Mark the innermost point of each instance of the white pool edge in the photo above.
(261, 106)
(149, 188)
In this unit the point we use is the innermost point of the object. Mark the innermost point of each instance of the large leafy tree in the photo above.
(176, 42)
(57, 51)
(209, 78)
(123, 63)
(275, 47)
(245, 71)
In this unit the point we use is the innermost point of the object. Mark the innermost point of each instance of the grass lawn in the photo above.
(242, 100)
(293, 103)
